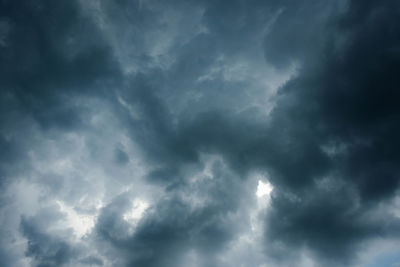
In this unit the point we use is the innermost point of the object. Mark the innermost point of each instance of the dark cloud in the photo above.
(343, 100)
(53, 53)
(139, 131)
(45, 250)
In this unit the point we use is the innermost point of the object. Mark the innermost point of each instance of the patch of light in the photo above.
(263, 189)
(133, 215)
(80, 223)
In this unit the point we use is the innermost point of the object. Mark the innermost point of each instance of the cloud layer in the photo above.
(138, 133)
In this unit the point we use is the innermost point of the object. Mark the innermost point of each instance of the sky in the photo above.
(199, 133)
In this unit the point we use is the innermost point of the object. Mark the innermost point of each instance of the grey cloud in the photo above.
(178, 104)
(44, 67)
(92, 261)
(343, 101)
(174, 227)
(45, 249)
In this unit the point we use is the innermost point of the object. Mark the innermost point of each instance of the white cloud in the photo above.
(264, 189)
(81, 224)
(133, 215)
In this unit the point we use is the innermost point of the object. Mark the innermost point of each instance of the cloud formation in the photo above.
(136, 133)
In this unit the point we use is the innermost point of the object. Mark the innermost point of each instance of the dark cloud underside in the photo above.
(134, 133)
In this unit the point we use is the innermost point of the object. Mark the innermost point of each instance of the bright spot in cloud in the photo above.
(138, 208)
(80, 223)
(263, 189)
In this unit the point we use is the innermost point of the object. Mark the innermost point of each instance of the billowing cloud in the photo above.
(199, 133)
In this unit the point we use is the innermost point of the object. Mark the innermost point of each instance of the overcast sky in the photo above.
(200, 133)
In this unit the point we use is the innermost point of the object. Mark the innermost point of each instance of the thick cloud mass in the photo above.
(137, 133)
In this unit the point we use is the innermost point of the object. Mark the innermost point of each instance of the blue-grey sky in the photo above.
(185, 133)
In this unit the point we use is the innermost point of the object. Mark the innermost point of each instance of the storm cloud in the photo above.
(199, 133)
